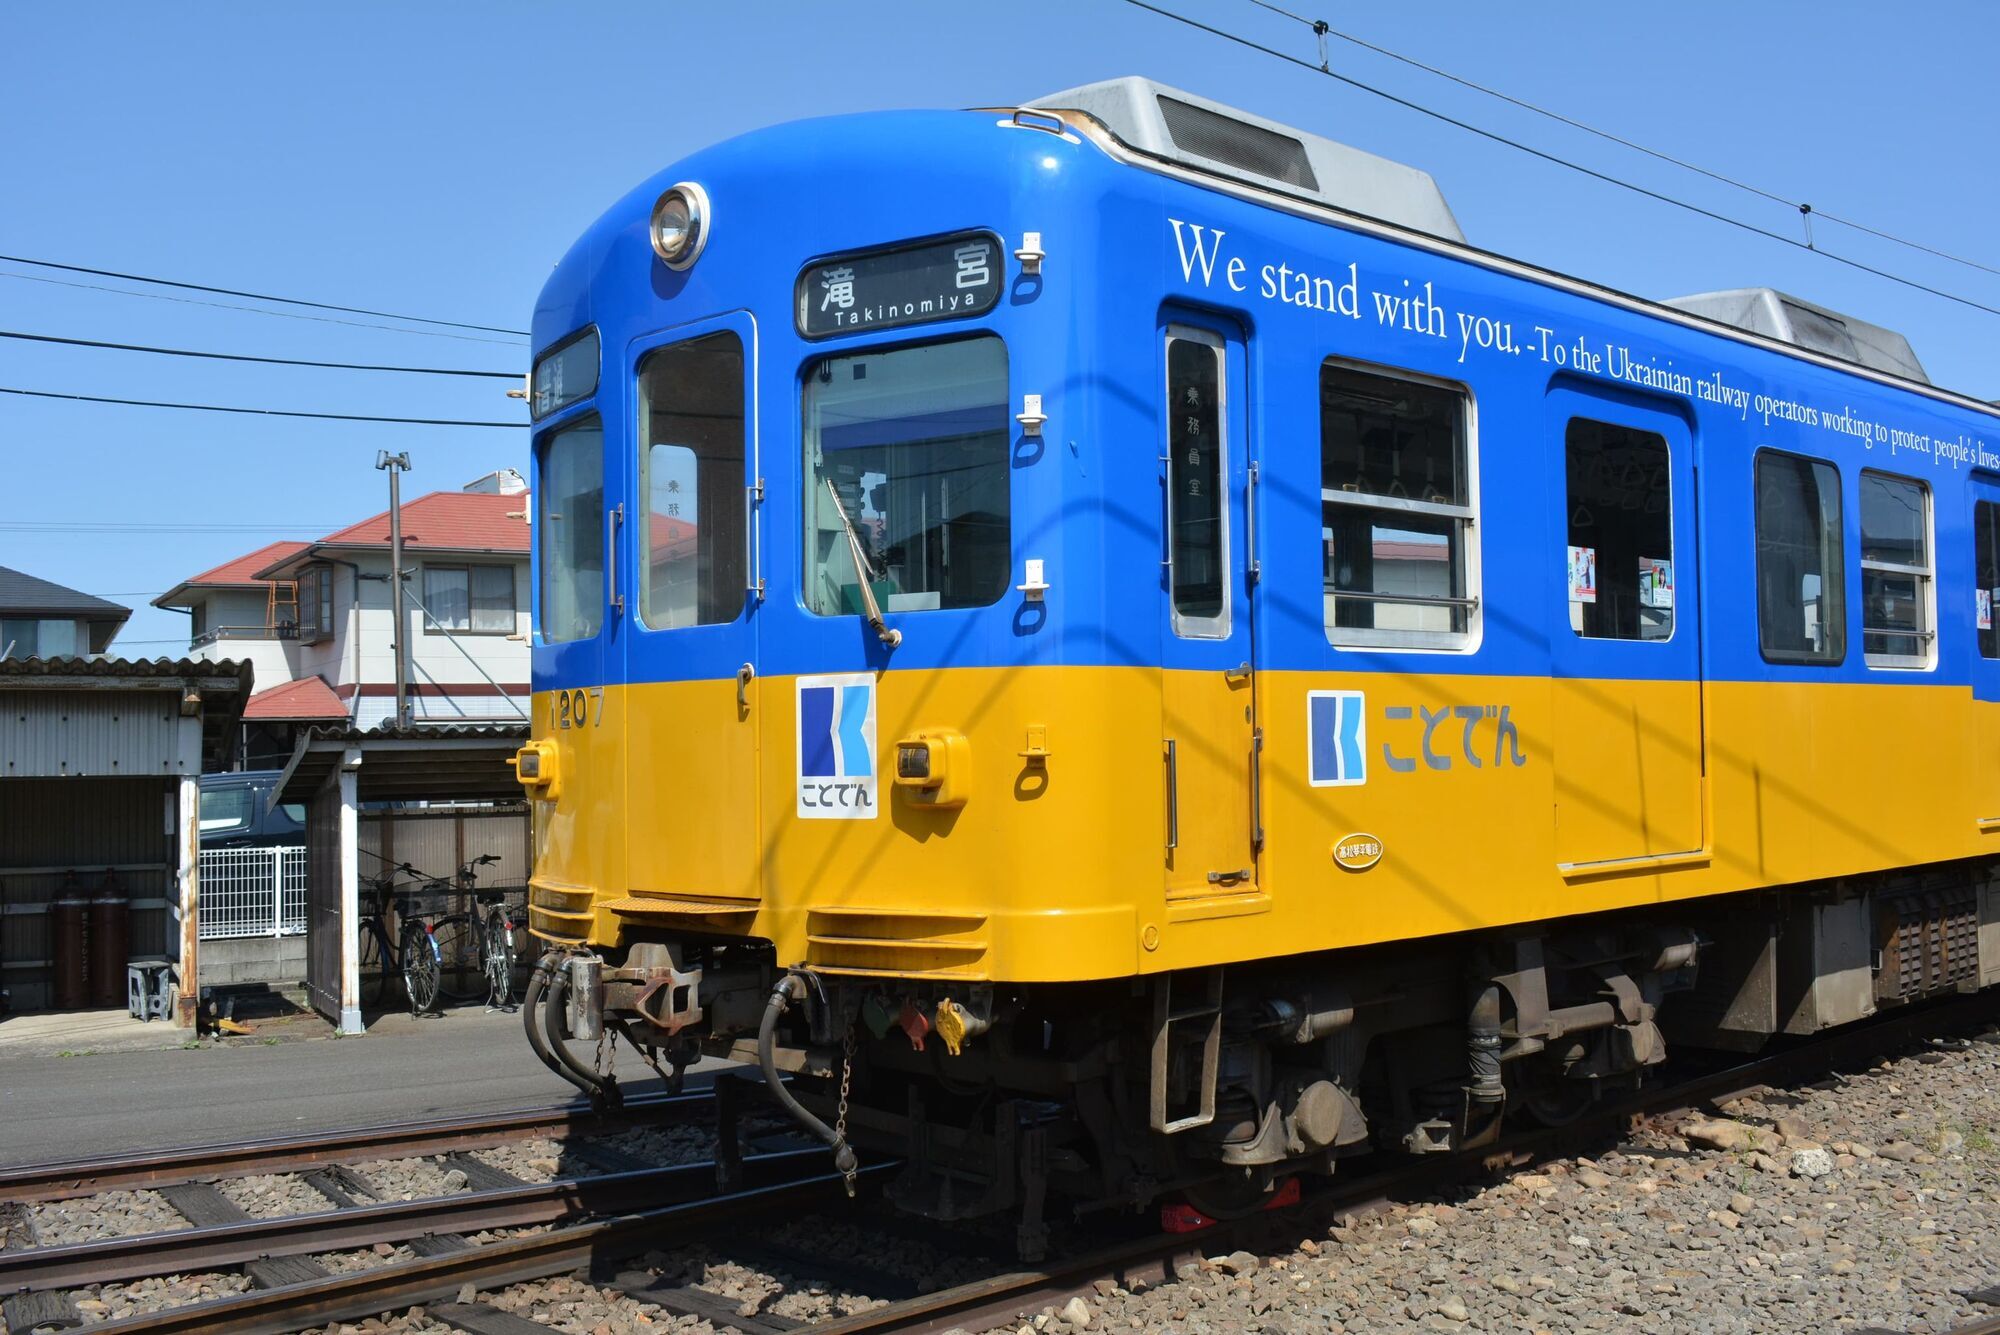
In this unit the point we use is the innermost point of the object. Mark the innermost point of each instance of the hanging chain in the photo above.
(846, 1081)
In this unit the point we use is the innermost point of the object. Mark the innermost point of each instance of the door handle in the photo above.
(744, 676)
(1173, 796)
(1237, 675)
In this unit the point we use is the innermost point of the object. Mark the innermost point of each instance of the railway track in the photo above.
(596, 1224)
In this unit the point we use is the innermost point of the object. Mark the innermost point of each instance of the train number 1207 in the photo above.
(572, 709)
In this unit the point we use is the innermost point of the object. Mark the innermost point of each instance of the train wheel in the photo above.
(1231, 1194)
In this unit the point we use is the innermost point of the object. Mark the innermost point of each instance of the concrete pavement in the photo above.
(70, 1102)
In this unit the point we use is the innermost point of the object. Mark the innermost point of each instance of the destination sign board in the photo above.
(935, 280)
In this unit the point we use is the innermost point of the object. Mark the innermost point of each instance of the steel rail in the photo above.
(278, 1154)
(220, 1246)
(360, 1294)
(1001, 1299)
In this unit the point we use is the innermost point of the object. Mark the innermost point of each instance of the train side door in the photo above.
(1627, 707)
(1209, 732)
(695, 706)
(1986, 664)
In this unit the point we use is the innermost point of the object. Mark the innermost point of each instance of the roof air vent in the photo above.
(1252, 148)
(1763, 310)
(1203, 136)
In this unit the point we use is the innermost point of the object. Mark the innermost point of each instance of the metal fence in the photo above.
(253, 892)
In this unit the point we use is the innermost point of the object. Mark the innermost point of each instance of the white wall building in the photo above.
(315, 618)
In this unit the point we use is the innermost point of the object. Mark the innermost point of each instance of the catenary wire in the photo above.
(1559, 161)
(268, 361)
(255, 310)
(113, 526)
(256, 412)
(258, 296)
(1321, 28)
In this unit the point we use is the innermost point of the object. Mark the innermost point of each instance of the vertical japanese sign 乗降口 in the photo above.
(837, 779)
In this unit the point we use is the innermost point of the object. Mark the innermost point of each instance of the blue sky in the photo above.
(436, 159)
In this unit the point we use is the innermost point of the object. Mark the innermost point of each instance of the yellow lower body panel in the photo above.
(1493, 800)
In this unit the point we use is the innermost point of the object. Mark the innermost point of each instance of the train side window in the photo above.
(908, 449)
(1620, 565)
(1896, 573)
(1986, 563)
(1197, 485)
(691, 471)
(1396, 509)
(1801, 569)
(569, 529)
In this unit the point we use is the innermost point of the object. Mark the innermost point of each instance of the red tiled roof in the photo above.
(455, 520)
(242, 572)
(306, 698)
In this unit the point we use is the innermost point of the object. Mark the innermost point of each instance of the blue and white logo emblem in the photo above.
(837, 778)
(1337, 732)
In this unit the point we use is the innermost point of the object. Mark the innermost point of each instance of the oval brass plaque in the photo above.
(1358, 852)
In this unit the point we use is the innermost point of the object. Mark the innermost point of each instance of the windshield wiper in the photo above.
(888, 634)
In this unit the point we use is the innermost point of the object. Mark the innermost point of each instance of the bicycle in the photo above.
(492, 924)
(416, 958)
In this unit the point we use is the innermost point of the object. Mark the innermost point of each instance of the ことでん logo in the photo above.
(837, 778)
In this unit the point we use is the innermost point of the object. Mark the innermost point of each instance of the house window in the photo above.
(476, 600)
(33, 637)
(1197, 485)
(1896, 612)
(1801, 570)
(315, 604)
(693, 561)
(569, 531)
(1986, 566)
(1396, 509)
(198, 620)
(1620, 563)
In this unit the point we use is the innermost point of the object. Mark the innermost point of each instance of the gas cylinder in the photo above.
(110, 936)
(66, 945)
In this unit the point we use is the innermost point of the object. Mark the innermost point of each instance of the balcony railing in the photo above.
(287, 631)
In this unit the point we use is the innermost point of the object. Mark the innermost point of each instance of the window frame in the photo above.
(803, 453)
(1366, 639)
(752, 590)
(432, 621)
(1217, 627)
(1926, 634)
(319, 576)
(547, 433)
(1786, 658)
(1990, 560)
(1674, 562)
(537, 414)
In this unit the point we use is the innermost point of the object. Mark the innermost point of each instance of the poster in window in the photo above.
(1583, 574)
(1656, 583)
(1985, 597)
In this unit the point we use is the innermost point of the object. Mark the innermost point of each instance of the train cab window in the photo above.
(1396, 509)
(906, 455)
(1896, 612)
(1801, 570)
(569, 530)
(1986, 567)
(1197, 482)
(691, 471)
(1620, 566)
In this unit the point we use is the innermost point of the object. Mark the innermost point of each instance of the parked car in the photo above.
(236, 811)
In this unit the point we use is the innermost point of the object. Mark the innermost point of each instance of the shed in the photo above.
(99, 766)
(348, 779)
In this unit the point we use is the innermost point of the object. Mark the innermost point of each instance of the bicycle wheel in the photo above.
(420, 967)
(459, 947)
(497, 950)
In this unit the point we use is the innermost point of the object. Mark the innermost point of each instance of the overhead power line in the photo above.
(256, 310)
(259, 296)
(245, 357)
(1558, 160)
(1321, 28)
(113, 526)
(258, 412)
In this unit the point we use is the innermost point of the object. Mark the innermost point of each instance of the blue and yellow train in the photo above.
(1110, 643)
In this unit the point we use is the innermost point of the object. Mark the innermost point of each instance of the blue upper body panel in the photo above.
(1125, 260)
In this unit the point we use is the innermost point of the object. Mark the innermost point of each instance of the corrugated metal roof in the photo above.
(22, 593)
(448, 762)
(74, 666)
(116, 716)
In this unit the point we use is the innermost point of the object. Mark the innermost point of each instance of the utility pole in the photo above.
(395, 465)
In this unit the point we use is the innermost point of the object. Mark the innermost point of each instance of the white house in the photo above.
(315, 619)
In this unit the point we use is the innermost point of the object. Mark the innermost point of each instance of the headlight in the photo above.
(681, 225)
